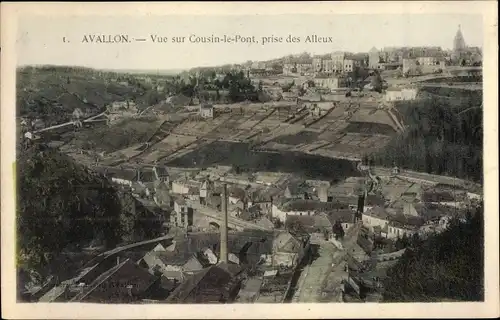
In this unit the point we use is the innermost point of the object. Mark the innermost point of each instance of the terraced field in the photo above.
(345, 131)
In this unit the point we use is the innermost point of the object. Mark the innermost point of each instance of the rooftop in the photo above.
(377, 212)
(310, 205)
(254, 243)
(210, 285)
(406, 221)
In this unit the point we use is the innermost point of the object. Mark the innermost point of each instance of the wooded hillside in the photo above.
(444, 136)
(61, 204)
(449, 265)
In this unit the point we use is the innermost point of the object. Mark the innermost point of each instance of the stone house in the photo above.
(182, 215)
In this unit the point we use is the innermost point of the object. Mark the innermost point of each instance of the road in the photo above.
(207, 211)
(322, 279)
(311, 280)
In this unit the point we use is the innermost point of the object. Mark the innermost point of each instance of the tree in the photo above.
(338, 231)
(296, 227)
(376, 82)
(402, 242)
(415, 240)
(260, 86)
(277, 223)
(287, 87)
(152, 97)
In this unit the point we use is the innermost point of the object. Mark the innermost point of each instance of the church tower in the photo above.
(459, 42)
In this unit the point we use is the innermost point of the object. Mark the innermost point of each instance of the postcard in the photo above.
(249, 160)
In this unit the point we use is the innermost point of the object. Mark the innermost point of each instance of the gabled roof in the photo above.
(180, 201)
(139, 278)
(311, 205)
(232, 268)
(197, 262)
(321, 220)
(54, 293)
(265, 222)
(378, 212)
(306, 221)
(344, 215)
(374, 200)
(237, 192)
(286, 242)
(430, 211)
(162, 171)
(212, 284)
(437, 196)
(147, 175)
(406, 221)
(295, 187)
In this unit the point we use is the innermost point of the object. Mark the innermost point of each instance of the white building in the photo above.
(348, 65)
(328, 66)
(206, 111)
(329, 82)
(401, 94)
(376, 217)
(185, 187)
(289, 69)
(299, 207)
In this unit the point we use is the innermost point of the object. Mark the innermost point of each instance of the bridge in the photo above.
(216, 217)
(101, 117)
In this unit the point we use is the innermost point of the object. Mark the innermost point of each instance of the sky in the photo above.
(40, 38)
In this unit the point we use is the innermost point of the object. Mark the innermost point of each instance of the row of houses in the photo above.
(394, 225)
(145, 181)
(180, 270)
(378, 59)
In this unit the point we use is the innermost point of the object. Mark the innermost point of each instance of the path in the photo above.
(311, 280)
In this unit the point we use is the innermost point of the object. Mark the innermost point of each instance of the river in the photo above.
(241, 155)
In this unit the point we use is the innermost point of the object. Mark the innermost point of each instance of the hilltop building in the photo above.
(462, 53)
(373, 58)
(329, 82)
(207, 111)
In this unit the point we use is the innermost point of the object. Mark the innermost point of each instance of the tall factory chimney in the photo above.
(361, 205)
(223, 230)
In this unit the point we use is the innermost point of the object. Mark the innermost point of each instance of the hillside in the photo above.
(62, 204)
(449, 265)
(122, 135)
(444, 136)
(52, 93)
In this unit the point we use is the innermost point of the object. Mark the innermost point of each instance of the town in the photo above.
(263, 179)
